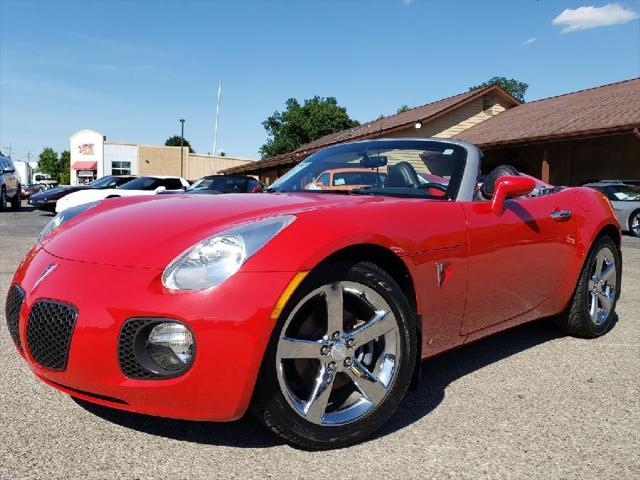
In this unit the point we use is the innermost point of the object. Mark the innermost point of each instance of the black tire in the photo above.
(632, 217)
(16, 201)
(576, 320)
(269, 404)
(3, 199)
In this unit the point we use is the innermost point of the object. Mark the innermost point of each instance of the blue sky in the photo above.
(132, 70)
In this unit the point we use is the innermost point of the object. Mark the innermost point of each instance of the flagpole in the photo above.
(215, 128)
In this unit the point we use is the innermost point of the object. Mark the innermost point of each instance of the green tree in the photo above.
(301, 124)
(175, 142)
(48, 162)
(515, 87)
(403, 108)
(64, 165)
(58, 168)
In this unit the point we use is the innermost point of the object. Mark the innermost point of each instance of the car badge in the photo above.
(441, 272)
(45, 274)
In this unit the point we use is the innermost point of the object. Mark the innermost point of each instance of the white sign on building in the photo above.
(87, 156)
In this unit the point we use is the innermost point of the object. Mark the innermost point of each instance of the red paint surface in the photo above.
(499, 271)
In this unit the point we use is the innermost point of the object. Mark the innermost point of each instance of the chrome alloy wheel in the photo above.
(635, 225)
(602, 286)
(337, 355)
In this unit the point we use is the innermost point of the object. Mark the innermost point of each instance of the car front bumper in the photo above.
(42, 204)
(231, 326)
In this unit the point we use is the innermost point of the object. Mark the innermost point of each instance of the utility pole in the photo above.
(215, 127)
(182, 148)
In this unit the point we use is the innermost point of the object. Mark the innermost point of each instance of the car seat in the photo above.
(402, 174)
(485, 192)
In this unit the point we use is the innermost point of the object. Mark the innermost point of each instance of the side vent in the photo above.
(487, 103)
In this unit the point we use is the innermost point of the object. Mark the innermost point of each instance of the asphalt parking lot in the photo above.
(526, 403)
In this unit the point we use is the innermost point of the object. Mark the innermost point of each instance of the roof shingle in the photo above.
(423, 113)
(603, 109)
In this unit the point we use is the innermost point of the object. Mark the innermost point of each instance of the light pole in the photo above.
(182, 147)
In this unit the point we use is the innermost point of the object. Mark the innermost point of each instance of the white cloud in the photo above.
(583, 18)
(407, 2)
(530, 41)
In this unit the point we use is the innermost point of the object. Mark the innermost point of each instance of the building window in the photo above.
(120, 168)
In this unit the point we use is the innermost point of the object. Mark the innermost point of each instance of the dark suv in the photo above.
(9, 185)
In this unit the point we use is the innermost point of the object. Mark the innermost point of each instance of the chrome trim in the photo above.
(50, 268)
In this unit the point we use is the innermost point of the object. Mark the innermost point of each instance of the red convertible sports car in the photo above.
(312, 308)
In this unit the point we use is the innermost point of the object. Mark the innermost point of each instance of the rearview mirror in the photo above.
(373, 162)
(509, 187)
(160, 189)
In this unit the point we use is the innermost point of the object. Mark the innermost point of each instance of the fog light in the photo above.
(170, 346)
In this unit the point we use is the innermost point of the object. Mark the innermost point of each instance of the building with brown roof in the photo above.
(444, 118)
(568, 139)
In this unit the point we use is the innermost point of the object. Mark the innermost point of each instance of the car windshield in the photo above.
(406, 168)
(142, 183)
(222, 184)
(624, 193)
(103, 182)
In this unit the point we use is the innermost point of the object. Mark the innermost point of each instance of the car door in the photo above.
(439, 267)
(519, 259)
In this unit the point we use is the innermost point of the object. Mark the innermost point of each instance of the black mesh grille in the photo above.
(129, 363)
(49, 329)
(15, 298)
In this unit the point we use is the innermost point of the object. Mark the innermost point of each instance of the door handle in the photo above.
(558, 214)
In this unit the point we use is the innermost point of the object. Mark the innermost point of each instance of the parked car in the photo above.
(347, 179)
(626, 202)
(49, 197)
(49, 183)
(9, 185)
(138, 186)
(30, 189)
(626, 182)
(312, 307)
(214, 184)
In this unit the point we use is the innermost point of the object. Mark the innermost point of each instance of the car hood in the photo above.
(150, 231)
(58, 192)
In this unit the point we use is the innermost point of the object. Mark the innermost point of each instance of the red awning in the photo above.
(85, 166)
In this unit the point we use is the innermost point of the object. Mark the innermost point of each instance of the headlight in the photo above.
(170, 346)
(213, 260)
(63, 217)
